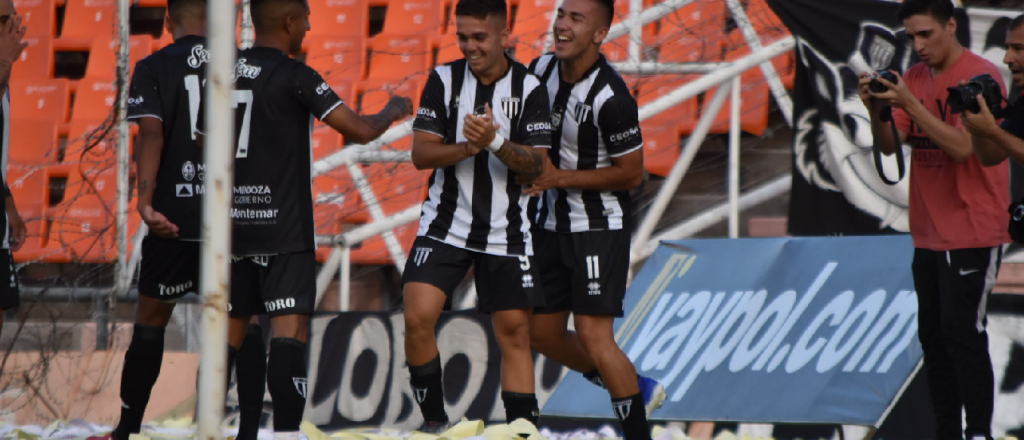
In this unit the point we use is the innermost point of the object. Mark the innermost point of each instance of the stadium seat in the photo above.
(94, 99)
(41, 99)
(398, 57)
(753, 108)
(768, 25)
(86, 20)
(326, 141)
(684, 116)
(345, 89)
(36, 60)
(397, 185)
(82, 225)
(30, 191)
(531, 28)
(337, 199)
(618, 49)
(447, 49)
(661, 146)
(103, 55)
(88, 146)
(785, 64)
(695, 32)
(39, 17)
(375, 252)
(374, 94)
(165, 40)
(337, 57)
(33, 142)
(690, 48)
(339, 18)
(413, 17)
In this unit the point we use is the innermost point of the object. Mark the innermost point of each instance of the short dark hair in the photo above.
(482, 9)
(609, 7)
(1017, 22)
(179, 10)
(941, 10)
(262, 10)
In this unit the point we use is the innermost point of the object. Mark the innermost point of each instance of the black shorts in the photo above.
(276, 285)
(583, 272)
(169, 268)
(502, 282)
(9, 291)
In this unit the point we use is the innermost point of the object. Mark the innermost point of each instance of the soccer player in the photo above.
(273, 239)
(959, 192)
(165, 96)
(479, 122)
(12, 34)
(582, 233)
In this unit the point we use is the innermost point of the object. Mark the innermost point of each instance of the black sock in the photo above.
(520, 406)
(633, 416)
(594, 377)
(141, 368)
(251, 373)
(286, 379)
(428, 390)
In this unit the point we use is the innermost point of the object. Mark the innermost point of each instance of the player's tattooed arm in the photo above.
(481, 132)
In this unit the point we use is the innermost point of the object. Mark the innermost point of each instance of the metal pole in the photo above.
(377, 215)
(652, 14)
(121, 211)
(635, 31)
(215, 281)
(668, 189)
(344, 279)
(774, 82)
(734, 160)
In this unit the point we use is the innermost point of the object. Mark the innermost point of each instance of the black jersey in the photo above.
(277, 99)
(5, 191)
(168, 85)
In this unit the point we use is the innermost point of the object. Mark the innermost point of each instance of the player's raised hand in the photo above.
(158, 223)
(400, 107)
(12, 35)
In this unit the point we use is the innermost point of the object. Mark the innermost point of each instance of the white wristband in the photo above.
(496, 144)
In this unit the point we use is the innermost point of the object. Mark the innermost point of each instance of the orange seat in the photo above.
(94, 99)
(531, 28)
(690, 48)
(30, 191)
(339, 18)
(326, 141)
(374, 94)
(661, 146)
(38, 16)
(165, 40)
(785, 64)
(103, 55)
(337, 57)
(82, 225)
(36, 60)
(618, 50)
(86, 20)
(89, 145)
(375, 252)
(337, 199)
(397, 185)
(33, 142)
(753, 107)
(447, 49)
(345, 89)
(684, 115)
(399, 56)
(413, 17)
(41, 99)
(768, 25)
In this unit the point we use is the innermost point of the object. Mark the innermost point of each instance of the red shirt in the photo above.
(952, 205)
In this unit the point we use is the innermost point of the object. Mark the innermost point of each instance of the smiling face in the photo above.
(482, 41)
(581, 26)
(934, 42)
(1014, 57)
(298, 25)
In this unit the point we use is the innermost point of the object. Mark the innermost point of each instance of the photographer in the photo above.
(1006, 138)
(958, 214)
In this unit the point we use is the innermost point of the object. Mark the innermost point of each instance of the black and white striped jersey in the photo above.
(476, 204)
(594, 120)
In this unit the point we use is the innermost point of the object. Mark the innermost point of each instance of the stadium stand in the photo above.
(40, 17)
(339, 18)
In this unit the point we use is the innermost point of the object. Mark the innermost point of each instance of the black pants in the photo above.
(952, 292)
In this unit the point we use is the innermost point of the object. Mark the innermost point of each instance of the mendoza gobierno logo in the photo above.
(810, 329)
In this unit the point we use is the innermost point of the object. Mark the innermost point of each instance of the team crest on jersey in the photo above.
(582, 112)
(511, 105)
(300, 385)
(421, 255)
(556, 116)
(622, 409)
(188, 171)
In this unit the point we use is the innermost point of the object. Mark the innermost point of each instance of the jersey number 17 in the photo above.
(241, 98)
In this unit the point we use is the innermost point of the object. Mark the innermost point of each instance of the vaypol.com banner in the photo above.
(796, 330)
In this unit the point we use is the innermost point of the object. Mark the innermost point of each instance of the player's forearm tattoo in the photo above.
(380, 121)
(143, 185)
(522, 159)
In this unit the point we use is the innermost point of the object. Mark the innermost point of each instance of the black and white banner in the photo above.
(836, 189)
(358, 374)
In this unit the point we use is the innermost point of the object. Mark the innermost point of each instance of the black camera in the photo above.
(965, 97)
(876, 86)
